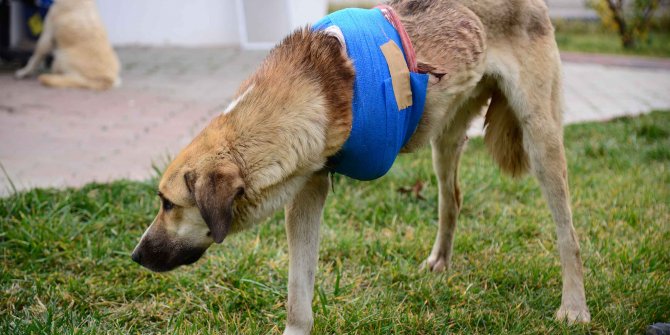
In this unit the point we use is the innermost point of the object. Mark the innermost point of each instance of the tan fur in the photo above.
(504, 136)
(294, 113)
(83, 57)
(276, 135)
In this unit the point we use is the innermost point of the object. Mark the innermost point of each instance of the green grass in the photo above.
(590, 37)
(66, 267)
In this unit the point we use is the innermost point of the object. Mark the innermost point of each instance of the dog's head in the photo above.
(197, 204)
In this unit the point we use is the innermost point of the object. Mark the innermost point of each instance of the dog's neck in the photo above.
(296, 109)
(306, 67)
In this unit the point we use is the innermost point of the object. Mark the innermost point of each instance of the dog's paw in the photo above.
(22, 73)
(295, 331)
(435, 264)
(573, 314)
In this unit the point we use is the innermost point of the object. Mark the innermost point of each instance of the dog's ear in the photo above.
(214, 192)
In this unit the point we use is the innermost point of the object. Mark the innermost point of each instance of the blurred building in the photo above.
(249, 23)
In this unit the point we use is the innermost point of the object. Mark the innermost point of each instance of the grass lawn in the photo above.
(590, 37)
(66, 264)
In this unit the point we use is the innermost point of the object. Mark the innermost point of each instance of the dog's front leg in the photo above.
(303, 220)
(45, 44)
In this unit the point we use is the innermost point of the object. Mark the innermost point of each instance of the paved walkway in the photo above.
(60, 138)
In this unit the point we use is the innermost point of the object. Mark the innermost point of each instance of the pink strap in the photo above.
(393, 18)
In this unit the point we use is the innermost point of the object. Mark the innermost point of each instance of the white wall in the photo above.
(266, 22)
(204, 22)
(307, 11)
(170, 22)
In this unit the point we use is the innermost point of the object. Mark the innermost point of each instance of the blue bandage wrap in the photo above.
(379, 130)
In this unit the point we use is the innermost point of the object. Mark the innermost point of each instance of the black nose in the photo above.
(136, 257)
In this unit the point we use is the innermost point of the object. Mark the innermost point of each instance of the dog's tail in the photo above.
(504, 136)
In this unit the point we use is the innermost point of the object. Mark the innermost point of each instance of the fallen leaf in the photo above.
(414, 189)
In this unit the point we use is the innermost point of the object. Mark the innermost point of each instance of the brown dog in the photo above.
(83, 57)
(270, 147)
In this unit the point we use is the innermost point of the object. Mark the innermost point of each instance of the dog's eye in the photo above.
(167, 205)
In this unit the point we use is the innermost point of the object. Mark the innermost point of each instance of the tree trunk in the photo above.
(627, 38)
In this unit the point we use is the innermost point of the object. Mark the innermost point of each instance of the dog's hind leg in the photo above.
(303, 220)
(447, 148)
(536, 100)
(544, 145)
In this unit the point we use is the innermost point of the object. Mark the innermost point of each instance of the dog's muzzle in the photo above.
(160, 256)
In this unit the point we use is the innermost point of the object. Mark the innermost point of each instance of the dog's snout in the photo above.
(136, 256)
(161, 255)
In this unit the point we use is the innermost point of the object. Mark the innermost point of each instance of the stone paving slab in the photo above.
(58, 138)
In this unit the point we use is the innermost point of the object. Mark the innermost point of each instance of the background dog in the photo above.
(270, 147)
(83, 57)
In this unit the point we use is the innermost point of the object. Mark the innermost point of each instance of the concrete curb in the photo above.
(616, 60)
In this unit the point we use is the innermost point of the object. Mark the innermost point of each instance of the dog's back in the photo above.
(503, 18)
(500, 18)
(82, 42)
(83, 57)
